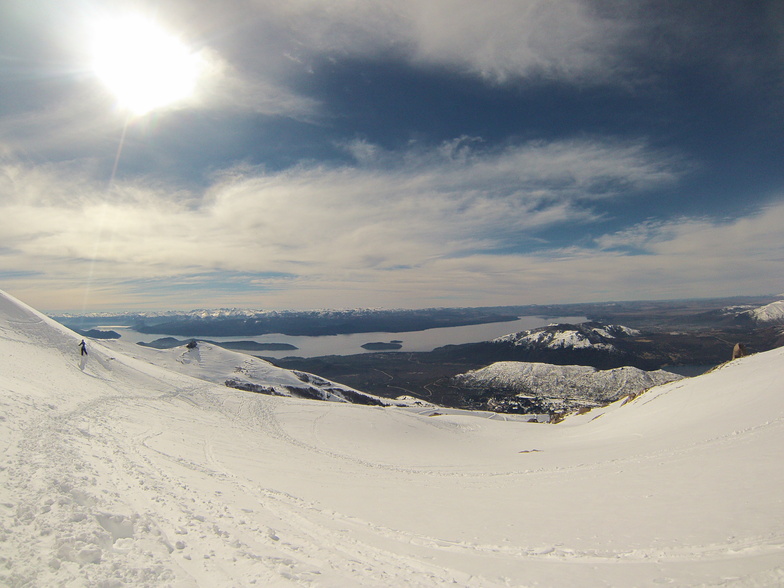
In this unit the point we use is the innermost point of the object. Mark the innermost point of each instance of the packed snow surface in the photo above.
(566, 381)
(118, 472)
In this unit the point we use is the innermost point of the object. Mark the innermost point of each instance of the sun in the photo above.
(143, 65)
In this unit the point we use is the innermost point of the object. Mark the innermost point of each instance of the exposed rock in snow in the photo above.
(414, 401)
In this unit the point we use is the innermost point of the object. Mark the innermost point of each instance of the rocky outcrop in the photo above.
(739, 351)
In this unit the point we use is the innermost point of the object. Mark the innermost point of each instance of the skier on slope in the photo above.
(83, 347)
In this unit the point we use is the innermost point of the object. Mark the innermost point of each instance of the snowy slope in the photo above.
(120, 473)
(565, 381)
(212, 363)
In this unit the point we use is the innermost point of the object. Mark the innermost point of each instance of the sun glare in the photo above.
(144, 66)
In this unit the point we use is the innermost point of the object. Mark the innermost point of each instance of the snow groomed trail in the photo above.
(116, 472)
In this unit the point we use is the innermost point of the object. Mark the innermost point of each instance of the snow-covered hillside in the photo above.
(772, 313)
(584, 336)
(118, 472)
(212, 363)
(574, 382)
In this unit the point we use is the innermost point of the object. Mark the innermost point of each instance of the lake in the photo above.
(427, 340)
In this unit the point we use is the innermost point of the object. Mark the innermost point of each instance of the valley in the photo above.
(693, 335)
(686, 337)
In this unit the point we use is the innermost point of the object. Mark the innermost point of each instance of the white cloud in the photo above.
(699, 256)
(684, 258)
(390, 223)
(563, 39)
(732, 240)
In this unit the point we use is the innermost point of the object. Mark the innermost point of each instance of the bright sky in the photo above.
(395, 153)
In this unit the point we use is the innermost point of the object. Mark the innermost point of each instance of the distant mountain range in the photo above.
(234, 322)
(607, 346)
(642, 335)
(242, 322)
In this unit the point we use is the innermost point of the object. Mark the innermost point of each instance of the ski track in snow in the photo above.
(287, 528)
(80, 514)
(118, 473)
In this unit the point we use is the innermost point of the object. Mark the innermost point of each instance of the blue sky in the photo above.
(396, 153)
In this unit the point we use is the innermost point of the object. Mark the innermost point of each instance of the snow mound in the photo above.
(118, 472)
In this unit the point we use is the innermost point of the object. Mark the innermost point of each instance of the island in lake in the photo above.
(98, 334)
(381, 346)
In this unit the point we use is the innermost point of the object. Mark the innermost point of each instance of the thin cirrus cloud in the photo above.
(513, 38)
(224, 87)
(566, 40)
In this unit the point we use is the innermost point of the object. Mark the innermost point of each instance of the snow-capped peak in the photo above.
(770, 313)
(565, 336)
